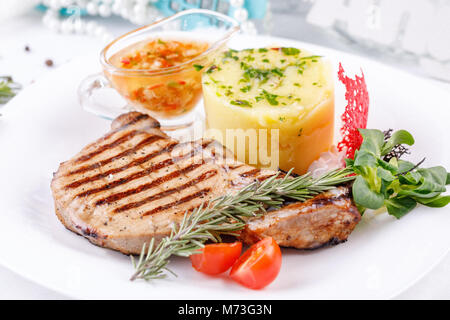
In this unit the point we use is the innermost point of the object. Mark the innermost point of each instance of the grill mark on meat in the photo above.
(135, 175)
(134, 163)
(236, 166)
(198, 194)
(262, 178)
(120, 140)
(323, 201)
(136, 119)
(110, 145)
(250, 173)
(126, 179)
(166, 195)
(152, 184)
(125, 153)
(163, 194)
(168, 148)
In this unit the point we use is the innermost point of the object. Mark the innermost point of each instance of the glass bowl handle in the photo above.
(90, 97)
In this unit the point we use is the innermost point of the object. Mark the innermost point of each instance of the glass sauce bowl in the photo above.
(167, 93)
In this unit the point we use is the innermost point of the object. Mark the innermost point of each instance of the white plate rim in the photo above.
(315, 47)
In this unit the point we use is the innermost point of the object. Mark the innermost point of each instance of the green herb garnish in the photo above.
(399, 185)
(277, 71)
(310, 57)
(290, 51)
(173, 84)
(241, 103)
(253, 73)
(225, 216)
(8, 89)
(211, 69)
(198, 67)
(249, 58)
(214, 80)
(229, 54)
(246, 88)
(244, 66)
(396, 184)
(271, 98)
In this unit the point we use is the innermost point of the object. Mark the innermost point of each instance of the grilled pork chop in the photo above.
(132, 184)
(328, 218)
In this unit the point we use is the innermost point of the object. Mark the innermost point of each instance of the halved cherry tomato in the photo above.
(216, 258)
(259, 265)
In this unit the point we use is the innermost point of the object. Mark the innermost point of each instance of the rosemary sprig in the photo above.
(8, 89)
(226, 215)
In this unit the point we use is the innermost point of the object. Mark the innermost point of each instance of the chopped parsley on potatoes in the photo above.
(273, 88)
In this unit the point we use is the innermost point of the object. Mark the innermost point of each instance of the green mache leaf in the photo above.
(412, 178)
(389, 193)
(386, 189)
(404, 166)
(432, 183)
(394, 162)
(373, 141)
(385, 175)
(386, 180)
(361, 209)
(378, 180)
(435, 202)
(398, 137)
(365, 159)
(372, 179)
(364, 196)
(349, 162)
(398, 207)
(418, 193)
(390, 166)
(437, 175)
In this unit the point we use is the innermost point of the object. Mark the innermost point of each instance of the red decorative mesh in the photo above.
(355, 114)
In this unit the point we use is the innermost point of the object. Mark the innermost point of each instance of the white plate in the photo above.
(44, 125)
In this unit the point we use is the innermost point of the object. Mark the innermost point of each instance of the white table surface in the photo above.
(44, 44)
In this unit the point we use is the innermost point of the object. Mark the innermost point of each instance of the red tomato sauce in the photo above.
(166, 94)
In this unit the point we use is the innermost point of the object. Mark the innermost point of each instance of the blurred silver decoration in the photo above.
(67, 16)
(410, 33)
